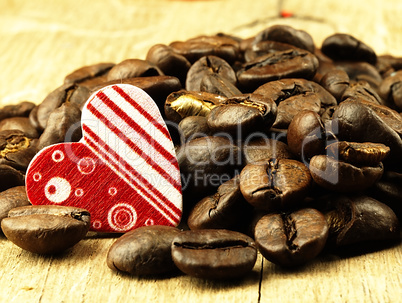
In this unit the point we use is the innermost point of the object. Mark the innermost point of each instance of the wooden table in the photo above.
(42, 41)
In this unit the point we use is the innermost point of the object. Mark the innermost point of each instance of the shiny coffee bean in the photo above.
(217, 84)
(193, 127)
(265, 47)
(346, 47)
(16, 149)
(287, 34)
(361, 71)
(293, 63)
(21, 109)
(86, 74)
(10, 177)
(306, 135)
(243, 114)
(214, 253)
(144, 251)
(183, 104)
(226, 209)
(46, 229)
(358, 219)
(193, 49)
(207, 162)
(12, 198)
(258, 148)
(336, 82)
(361, 91)
(337, 175)
(169, 62)
(64, 125)
(205, 66)
(275, 184)
(19, 123)
(391, 90)
(131, 68)
(290, 239)
(358, 153)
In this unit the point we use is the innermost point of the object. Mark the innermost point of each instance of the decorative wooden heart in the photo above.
(124, 170)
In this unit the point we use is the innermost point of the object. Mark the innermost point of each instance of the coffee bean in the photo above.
(21, 109)
(293, 63)
(258, 148)
(340, 176)
(132, 68)
(358, 218)
(226, 209)
(361, 91)
(265, 47)
(19, 123)
(12, 198)
(346, 47)
(10, 177)
(144, 251)
(287, 34)
(193, 127)
(336, 82)
(214, 253)
(216, 84)
(46, 229)
(183, 104)
(391, 90)
(205, 66)
(242, 114)
(87, 74)
(275, 184)
(291, 239)
(193, 49)
(16, 149)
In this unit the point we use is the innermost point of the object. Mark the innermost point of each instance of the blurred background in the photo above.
(41, 41)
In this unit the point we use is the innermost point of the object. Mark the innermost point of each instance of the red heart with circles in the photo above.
(124, 170)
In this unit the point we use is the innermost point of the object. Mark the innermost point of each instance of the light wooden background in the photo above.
(42, 41)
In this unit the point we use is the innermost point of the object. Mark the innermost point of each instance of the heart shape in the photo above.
(124, 170)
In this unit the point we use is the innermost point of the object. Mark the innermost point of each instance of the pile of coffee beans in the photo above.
(284, 148)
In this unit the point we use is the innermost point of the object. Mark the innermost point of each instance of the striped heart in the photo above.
(124, 170)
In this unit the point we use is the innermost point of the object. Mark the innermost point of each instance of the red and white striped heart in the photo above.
(124, 170)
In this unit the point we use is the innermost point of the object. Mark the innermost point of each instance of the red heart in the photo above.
(124, 170)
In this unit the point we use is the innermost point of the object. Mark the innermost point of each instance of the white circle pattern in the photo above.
(57, 189)
(118, 210)
(57, 156)
(79, 192)
(37, 176)
(86, 165)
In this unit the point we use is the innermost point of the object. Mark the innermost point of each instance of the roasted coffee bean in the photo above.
(242, 114)
(293, 96)
(358, 218)
(193, 127)
(217, 84)
(208, 65)
(10, 177)
(290, 239)
(144, 251)
(258, 148)
(21, 109)
(193, 49)
(388, 190)
(19, 123)
(336, 82)
(184, 103)
(16, 149)
(306, 135)
(340, 176)
(387, 64)
(169, 62)
(293, 63)
(391, 90)
(12, 198)
(131, 68)
(346, 47)
(214, 253)
(265, 47)
(367, 122)
(361, 71)
(207, 162)
(361, 91)
(287, 34)
(226, 209)
(358, 153)
(46, 229)
(157, 87)
(88, 74)
(63, 126)
(275, 184)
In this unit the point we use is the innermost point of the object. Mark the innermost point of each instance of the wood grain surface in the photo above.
(42, 41)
